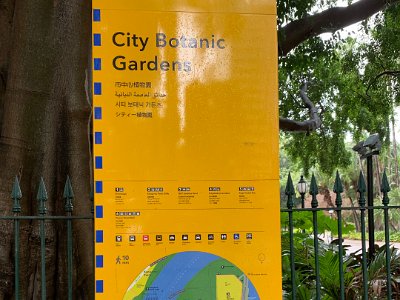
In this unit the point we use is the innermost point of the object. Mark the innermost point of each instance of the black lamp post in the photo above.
(302, 189)
(367, 149)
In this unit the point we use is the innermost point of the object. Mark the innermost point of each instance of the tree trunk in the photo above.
(44, 132)
(396, 162)
(356, 218)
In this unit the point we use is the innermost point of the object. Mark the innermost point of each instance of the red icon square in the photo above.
(146, 238)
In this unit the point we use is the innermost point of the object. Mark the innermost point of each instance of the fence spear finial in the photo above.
(16, 195)
(338, 190)
(314, 192)
(361, 189)
(289, 191)
(385, 189)
(42, 197)
(68, 195)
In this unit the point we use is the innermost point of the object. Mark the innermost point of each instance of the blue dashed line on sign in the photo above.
(99, 286)
(97, 64)
(99, 236)
(96, 15)
(99, 212)
(97, 39)
(98, 113)
(99, 187)
(98, 162)
(99, 261)
(98, 138)
(97, 88)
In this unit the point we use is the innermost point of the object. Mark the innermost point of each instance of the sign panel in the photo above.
(185, 118)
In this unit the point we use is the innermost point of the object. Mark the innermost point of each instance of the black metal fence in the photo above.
(372, 274)
(42, 217)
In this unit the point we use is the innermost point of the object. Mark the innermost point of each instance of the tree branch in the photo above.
(330, 20)
(387, 73)
(302, 126)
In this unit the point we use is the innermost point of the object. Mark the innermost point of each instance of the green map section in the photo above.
(191, 276)
(203, 285)
(157, 270)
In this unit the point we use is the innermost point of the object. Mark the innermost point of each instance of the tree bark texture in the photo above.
(44, 59)
(313, 123)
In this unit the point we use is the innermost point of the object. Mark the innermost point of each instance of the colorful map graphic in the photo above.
(191, 276)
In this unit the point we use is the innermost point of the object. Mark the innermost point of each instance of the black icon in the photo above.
(118, 238)
(224, 236)
(132, 238)
(158, 238)
(197, 237)
(210, 237)
(172, 237)
(185, 237)
(249, 236)
(236, 236)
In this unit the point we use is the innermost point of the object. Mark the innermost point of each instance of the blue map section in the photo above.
(177, 274)
(253, 295)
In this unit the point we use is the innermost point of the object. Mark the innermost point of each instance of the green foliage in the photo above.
(289, 10)
(329, 265)
(303, 221)
(305, 267)
(376, 275)
(343, 72)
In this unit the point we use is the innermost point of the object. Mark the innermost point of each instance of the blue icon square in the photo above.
(97, 39)
(99, 187)
(98, 113)
(97, 88)
(99, 236)
(99, 162)
(97, 64)
(99, 212)
(96, 15)
(99, 261)
(98, 138)
(99, 286)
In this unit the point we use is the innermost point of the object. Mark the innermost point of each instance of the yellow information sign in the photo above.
(186, 150)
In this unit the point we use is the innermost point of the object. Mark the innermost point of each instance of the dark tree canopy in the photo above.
(45, 110)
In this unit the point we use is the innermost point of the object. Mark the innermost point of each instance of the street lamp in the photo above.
(302, 189)
(367, 149)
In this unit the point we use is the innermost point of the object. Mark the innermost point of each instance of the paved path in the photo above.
(355, 245)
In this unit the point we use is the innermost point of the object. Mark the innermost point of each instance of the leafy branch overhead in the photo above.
(329, 20)
(301, 30)
(354, 80)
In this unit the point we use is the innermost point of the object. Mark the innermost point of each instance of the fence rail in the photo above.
(365, 261)
(42, 216)
(295, 289)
